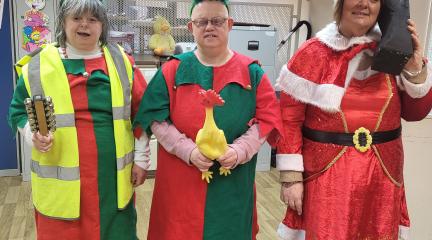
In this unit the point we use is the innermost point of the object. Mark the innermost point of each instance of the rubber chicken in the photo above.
(210, 140)
(161, 42)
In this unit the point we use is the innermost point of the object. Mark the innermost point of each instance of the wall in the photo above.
(417, 137)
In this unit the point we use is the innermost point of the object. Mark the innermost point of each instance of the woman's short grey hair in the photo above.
(78, 8)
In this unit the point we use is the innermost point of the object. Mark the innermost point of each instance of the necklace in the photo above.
(63, 51)
(74, 54)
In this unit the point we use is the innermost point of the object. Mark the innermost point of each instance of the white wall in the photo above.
(321, 13)
(417, 137)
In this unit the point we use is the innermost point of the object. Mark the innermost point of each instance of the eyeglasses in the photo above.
(216, 21)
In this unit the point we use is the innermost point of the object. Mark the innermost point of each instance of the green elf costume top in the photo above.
(184, 206)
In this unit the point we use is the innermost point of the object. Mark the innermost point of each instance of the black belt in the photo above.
(361, 139)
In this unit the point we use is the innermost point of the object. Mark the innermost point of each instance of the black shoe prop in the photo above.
(395, 47)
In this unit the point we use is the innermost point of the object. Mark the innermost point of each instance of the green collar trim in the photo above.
(74, 66)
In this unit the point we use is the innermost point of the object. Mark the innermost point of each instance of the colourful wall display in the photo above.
(35, 30)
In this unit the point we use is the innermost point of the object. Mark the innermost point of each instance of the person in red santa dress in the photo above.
(341, 157)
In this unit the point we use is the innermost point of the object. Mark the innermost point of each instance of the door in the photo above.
(9, 162)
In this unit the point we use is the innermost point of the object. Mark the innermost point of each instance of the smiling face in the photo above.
(214, 34)
(83, 32)
(358, 16)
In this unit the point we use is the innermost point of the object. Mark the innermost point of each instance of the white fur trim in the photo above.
(403, 232)
(364, 74)
(328, 97)
(291, 162)
(359, 74)
(27, 134)
(418, 90)
(286, 233)
(352, 68)
(331, 37)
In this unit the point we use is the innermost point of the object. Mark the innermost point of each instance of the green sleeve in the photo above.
(17, 116)
(256, 73)
(155, 104)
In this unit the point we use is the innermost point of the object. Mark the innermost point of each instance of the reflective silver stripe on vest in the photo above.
(118, 113)
(34, 76)
(65, 120)
(124, 79)
(34, 79)
(60, 173)
(123, 161)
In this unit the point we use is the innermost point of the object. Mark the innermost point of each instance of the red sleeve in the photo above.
(138, 87)
(415, 109)
(268, 112)
(293, 116)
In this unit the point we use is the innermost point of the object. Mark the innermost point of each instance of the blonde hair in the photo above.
(338, 9)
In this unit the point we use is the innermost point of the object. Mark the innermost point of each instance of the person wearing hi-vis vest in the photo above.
(83, 174)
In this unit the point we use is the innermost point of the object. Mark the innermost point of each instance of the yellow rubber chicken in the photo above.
(210, 140)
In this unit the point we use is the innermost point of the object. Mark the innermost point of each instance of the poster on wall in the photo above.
(1, 12)
(35, 30)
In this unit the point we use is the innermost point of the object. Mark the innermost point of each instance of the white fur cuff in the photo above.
(403, 232)
(286, 233)
(289, 162)
(418, 90)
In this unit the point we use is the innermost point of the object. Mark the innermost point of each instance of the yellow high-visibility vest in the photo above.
(55, 175)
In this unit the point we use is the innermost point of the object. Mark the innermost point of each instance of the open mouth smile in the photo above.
(83, 34)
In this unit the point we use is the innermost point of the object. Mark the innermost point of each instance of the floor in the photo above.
(17, 221)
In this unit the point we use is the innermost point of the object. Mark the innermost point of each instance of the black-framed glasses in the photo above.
(203, 22)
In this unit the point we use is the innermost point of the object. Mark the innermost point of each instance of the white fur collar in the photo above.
(331, 37)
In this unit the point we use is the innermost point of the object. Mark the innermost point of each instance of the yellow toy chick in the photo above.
(161, 42)
(210, 140)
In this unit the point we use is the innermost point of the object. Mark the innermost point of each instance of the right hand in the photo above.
(200, 161)
(292, 196)
(42, 143)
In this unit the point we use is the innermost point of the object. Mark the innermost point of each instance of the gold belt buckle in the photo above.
(362, 139)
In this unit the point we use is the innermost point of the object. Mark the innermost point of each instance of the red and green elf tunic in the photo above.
(91, 97)
(184, 206)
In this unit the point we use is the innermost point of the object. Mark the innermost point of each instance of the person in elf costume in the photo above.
(83, 174)
(341, 157)
(184, 206)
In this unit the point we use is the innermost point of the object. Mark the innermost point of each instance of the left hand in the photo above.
(229, 159)
(138, 175)
(415, 63)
